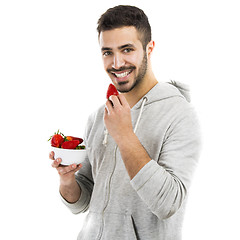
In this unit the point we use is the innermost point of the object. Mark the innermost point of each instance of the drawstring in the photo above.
(105, 137)
(140, 114)
(136, 126)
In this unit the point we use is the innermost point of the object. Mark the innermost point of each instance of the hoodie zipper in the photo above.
(108, 193)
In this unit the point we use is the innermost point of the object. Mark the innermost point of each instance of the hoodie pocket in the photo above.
(91, 227)
(118, 227)
(108, 226)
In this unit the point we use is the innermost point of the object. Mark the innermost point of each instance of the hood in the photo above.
(182, 88)
(166, 90)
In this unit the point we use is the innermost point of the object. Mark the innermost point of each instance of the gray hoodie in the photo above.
(151, 205)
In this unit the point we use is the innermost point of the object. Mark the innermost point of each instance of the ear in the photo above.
(150, 47)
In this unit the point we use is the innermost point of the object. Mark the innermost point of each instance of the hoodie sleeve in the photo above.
(163, 183)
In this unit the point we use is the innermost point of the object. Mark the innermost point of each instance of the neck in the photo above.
(141, 89)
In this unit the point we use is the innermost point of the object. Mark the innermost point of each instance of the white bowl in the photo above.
(69, 156)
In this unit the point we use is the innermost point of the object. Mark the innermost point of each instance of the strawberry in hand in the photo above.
(111, 91)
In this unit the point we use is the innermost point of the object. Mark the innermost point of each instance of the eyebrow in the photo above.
(119, 48)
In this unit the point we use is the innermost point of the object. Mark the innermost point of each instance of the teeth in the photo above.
(121, 75)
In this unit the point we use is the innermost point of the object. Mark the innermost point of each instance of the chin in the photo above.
(125, 87)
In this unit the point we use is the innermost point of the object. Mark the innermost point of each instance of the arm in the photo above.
(118, 122)
(69, 189)
(161, 183)
(75, 184)
(131, 148)
(71, 193)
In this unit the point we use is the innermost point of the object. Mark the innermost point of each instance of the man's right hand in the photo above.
(69, 188)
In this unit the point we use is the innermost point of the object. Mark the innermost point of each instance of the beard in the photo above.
(139, 78)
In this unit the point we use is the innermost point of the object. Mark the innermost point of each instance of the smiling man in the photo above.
(125, 60)
(143, 145)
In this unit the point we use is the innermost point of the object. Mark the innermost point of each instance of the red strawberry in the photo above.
(111, 91)
(57, 140)
(70, 138)
(79, 139)
(70, 144)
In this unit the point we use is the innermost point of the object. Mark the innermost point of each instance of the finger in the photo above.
(67, 169)
(109, 107)
(115, 101)
(105, 111)
(56, 163)
(78, 167)
(123, 100)
(51, 155)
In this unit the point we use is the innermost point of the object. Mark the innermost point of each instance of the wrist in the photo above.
(125, 140)
(67, 182)
(133, 154)
(70, 191)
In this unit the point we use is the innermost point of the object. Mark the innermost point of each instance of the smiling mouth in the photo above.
(122, 74)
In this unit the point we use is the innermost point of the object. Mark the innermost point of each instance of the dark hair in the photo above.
(124, 15)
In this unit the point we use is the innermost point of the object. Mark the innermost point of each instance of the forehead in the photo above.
(119, 37)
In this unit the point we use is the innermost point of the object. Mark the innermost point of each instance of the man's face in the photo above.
(123, 57)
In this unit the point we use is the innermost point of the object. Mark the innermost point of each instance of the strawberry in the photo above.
(111, 91)
(67, 142)
(70, 144)
(70, 138)
(57, 139)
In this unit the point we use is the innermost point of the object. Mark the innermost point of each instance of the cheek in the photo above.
(135, 59)
(106, 63)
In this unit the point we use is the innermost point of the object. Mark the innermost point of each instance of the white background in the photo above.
(52, 78)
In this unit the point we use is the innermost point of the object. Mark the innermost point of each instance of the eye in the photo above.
(107, 53)
(128, 50)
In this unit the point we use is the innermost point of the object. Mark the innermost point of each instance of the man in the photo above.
(143, 144)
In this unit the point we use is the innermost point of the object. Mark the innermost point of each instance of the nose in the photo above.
(118, 61)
